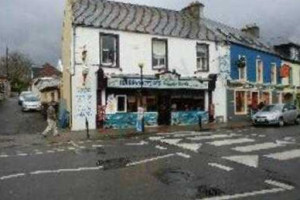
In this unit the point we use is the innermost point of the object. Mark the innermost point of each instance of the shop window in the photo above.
(243, 70)
(273, 73)
(240, 102)
(266, 98)
(202, 57)
(108, 50)
(121, 103)
(159, 54)
(151, 104)
(259, 71)
(131, 104)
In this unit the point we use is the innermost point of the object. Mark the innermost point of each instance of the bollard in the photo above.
(200, 121)
(87, 128)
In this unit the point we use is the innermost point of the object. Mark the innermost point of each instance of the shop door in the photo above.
(164, 110)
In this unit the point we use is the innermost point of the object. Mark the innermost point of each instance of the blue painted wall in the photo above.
(188, 117)
(251, 57)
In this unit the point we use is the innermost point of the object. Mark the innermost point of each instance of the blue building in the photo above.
(255, 78)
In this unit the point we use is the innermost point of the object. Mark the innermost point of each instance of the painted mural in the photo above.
(188, 117)
(224, 65)
(128, 120)
(83, 99)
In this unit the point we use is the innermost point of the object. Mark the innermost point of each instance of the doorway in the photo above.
(164, 109)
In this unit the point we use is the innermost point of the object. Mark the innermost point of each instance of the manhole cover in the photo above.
(174, 176)
(207, 191)
(113, 163)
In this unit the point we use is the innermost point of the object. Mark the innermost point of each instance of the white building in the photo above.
(185, 65)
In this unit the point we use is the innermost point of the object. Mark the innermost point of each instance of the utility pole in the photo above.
(6, 62)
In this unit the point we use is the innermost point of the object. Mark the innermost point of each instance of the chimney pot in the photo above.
(195, 9)
(252, 29)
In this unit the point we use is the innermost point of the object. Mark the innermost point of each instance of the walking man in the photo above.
(51, 119)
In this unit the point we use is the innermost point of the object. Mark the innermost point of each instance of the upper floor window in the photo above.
(108, 50)
(159, 54)
(202, 57)
(259, 71)
(242, 69)
(273, 73)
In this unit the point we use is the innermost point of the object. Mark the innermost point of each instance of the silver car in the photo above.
(277, 114)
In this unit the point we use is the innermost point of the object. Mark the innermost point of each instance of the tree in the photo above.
(19, 70)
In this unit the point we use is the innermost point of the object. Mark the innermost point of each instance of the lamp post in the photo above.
(141, 110)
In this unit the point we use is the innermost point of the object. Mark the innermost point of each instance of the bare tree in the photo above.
(18, 68)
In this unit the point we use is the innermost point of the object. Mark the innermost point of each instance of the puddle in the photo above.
(205, 191)
(174, 176)
(113, 163)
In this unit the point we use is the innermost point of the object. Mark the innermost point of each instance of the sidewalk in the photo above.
(106, 134)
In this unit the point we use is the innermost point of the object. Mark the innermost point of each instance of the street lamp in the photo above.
(141, 110)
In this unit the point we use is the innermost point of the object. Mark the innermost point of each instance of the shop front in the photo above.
(166, 99)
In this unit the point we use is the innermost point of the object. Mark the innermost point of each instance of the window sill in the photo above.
(239, 113)
(198, 71)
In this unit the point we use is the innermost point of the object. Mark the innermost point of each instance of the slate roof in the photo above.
(157, 21)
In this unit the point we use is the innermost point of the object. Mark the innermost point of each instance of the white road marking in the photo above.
(190, 146)
(65, 170)
(171, 141)
(231, 141)
(12, 176)
(284, 142)
(183, 155)
(71, 148)
(281, 188)
(220, 166)
(141, 143)
(286, 155)
(60, 150)
(161, 147)
(150, 160)
(3, 156)
(191, 134)
(97, 146)
(155, 138)
(74, 144)
(22, 154)
(38, 153)
(212, 137)
(248, 160)
(257, 147)
(50, 151)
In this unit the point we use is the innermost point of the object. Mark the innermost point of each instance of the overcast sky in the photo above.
(34, 26)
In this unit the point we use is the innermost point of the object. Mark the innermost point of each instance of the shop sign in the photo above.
(156, 83)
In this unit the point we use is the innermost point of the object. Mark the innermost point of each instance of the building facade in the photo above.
(173, 66)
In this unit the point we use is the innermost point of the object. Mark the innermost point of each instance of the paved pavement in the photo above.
(246, 163)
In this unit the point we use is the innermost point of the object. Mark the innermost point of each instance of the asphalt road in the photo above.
(13, 121)
(251, 163)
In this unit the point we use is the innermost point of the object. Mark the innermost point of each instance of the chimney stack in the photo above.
(252, 30)
(195, 9)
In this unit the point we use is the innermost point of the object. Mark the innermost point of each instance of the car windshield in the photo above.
(31, 98)
(272, 108)
(25, 93)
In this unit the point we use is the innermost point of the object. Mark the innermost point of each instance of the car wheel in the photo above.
(297, 120)
(281, 122)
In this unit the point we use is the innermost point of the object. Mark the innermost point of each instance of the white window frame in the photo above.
(262, 70)
(205, 67)
(125, 106)
(245, 69)
(274, 79)
(245, 101)
(164, 60)
(116, 52)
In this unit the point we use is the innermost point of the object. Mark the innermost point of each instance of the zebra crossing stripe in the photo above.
(220, 166)
(231, 141)
(286, 155)
(257, 147)
(212, 137)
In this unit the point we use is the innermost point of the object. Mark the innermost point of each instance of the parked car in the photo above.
(21, 96)
(31, 102)
(277, 114)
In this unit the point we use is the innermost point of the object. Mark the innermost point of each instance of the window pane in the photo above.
(159, 53)
(240, 101)
(109, 49)
(202, 57)
(121, 103)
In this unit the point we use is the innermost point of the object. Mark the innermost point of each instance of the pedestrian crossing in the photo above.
(238, 142)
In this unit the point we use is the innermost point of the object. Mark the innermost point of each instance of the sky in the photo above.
(34, 27)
